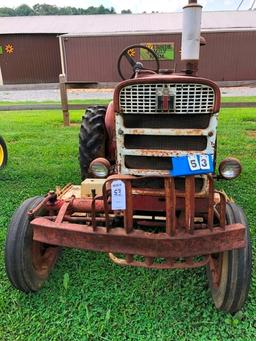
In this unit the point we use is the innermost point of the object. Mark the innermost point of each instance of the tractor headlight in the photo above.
(99, 167)
(230, 168)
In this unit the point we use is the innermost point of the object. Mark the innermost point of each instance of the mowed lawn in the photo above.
(101, 301)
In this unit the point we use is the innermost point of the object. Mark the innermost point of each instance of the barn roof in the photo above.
(125, 23)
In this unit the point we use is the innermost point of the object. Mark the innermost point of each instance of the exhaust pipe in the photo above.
(190, 43)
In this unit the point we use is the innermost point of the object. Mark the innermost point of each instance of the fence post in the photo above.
(64, 99)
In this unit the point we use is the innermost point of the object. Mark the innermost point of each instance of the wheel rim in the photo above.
(43, 257)
(216, 268)
(1, 155)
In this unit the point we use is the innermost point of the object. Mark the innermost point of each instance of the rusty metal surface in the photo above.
(123, 149)
(190, 203)
(128, 213)
(170, 205)
(215, 266)
(222, 210)
(144, 198)
(41, 204)
(62, 212)
(181, 230)
(147, 200)
(211, 204)
(139, 242)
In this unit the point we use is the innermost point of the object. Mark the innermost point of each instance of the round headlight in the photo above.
(99, 167)
(230, 168)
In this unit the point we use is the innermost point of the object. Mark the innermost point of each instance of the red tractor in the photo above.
(148, 197)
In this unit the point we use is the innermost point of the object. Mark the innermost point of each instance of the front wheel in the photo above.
(230, 273)
(3, 153)
(27, 262)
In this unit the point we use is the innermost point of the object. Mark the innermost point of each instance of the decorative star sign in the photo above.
(131, 52)
(9, 48)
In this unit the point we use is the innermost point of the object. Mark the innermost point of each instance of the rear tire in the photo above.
(235, 267)
(27, 262)
(91, 138)
(3, 153)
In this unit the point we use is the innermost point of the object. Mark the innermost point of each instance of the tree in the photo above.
(69, 10)
(44, 9)
(126, 11)
(99, 10)
(24, 10)
(7, 12)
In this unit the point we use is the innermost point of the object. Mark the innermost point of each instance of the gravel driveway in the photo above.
(54, 95)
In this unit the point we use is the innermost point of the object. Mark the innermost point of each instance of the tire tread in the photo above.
(91, 137)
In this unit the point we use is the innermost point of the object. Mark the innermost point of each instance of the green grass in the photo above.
(238, 99)
(102, 301)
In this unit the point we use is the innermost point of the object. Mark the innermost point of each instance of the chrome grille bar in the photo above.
(189, 98)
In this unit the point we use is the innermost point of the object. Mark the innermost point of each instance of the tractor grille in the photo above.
(165, 142)
(189, 98)
(142, 162)
(188, 121)
(148, 138)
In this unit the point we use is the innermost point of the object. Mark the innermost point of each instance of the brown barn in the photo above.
(38, 49)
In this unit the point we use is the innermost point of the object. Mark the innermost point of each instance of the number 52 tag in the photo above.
(118, 195)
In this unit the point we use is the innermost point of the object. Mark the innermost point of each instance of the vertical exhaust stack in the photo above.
(190, 44)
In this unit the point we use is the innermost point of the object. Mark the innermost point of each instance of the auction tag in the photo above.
(204, 161)
(193, 163)
(118, 195)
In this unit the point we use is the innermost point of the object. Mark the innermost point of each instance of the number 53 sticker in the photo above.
(118, 195)
(197, 162)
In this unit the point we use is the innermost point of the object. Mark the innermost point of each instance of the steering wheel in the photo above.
(129, 53)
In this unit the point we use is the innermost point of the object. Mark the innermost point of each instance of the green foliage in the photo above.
(24, 10)
(126, 11)
(45, 9)
(7, 12)
(99, 10)
(89, 298)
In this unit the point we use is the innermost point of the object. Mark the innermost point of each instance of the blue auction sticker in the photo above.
(192, 164)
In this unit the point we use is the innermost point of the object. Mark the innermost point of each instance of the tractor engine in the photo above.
(161, 120)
